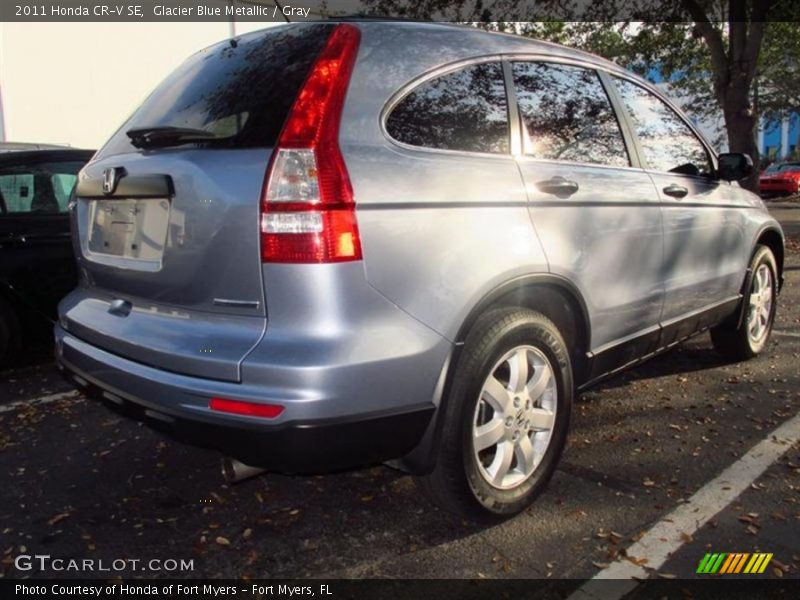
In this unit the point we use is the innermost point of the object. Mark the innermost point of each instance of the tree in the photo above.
(713, 50)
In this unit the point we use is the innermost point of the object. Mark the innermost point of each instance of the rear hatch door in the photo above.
(166, 219)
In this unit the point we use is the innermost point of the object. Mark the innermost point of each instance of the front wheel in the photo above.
(507, 416)
(740, 341)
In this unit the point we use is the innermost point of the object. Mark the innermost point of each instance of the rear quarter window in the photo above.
(464, 110)
(241, 92)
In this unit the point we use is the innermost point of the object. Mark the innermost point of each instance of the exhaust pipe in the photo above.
(235, 471)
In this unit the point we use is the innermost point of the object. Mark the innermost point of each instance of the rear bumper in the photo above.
(178, 406)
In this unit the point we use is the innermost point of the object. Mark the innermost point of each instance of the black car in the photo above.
(37, 267)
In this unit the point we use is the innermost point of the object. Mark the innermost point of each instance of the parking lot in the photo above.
(80, 482)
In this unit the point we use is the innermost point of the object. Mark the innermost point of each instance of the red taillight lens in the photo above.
(307, 209)
(248, 409)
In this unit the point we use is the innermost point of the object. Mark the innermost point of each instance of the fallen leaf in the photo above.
(58, 518)
(780, 565)
(746, 518)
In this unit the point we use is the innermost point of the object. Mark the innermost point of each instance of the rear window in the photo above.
(240, 91)
(41, 188)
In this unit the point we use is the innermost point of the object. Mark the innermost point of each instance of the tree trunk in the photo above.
(741, 123)
(734, 70)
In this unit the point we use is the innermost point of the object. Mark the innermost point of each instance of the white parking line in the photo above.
(40, 400)
(786, 333)
(665, 537)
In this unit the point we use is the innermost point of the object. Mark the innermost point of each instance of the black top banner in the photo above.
(425, 10)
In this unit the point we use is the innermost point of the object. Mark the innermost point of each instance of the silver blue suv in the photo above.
(327, 245)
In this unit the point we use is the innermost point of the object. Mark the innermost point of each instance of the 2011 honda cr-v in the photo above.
(326, 245)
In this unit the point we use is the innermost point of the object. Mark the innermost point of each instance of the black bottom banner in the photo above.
(411, 589)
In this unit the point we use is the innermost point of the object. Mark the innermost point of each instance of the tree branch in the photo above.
(713, 38)
(753, 46)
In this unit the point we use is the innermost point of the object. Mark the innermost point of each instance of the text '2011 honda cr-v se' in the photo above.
(326, 245)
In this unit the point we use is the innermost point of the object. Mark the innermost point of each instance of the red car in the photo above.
(780, 179)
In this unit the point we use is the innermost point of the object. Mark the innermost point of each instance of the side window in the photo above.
(464, 110)
(17, 191)
(667, 141)
(62, 188)
(567, 115)
(39, 189)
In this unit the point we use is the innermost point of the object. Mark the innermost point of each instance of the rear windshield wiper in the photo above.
(159, 137)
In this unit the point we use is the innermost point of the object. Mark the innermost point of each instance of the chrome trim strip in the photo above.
(236, 303)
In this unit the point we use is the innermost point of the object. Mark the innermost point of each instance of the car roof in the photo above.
(470, 40)
(503, 41)
(23, 146)
(33, 153)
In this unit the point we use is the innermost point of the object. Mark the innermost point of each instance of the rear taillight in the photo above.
(307, 209)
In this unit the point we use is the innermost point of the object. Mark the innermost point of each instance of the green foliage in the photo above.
(736, 58)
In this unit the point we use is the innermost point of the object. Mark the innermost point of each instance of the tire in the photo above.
(9, 334)
(488, 479)
(744, 341)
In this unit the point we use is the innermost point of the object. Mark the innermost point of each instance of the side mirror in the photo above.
(733, 167)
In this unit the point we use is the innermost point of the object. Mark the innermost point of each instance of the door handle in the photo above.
(558, 186)
(120, 308)
(675, 190)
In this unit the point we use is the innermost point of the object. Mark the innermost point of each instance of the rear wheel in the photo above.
(9, 334)
(507, 416)
(746, 340)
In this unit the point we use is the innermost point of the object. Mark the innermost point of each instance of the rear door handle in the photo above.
(558, 186)
(675, 190)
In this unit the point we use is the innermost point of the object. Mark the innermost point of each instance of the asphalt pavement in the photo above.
(80, 482)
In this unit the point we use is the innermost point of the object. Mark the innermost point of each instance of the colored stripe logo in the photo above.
(731, 563)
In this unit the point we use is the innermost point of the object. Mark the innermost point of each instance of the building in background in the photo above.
(75, 83)
(777, 138)
(2, 118)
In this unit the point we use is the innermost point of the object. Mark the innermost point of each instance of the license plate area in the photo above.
(129, 232)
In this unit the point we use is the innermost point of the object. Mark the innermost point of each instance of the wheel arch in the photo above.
(556, 298)
(772, 238)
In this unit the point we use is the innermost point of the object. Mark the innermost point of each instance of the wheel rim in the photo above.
(514, 417)
(760, 311)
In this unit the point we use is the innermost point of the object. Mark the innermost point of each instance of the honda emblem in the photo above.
(110, 177)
